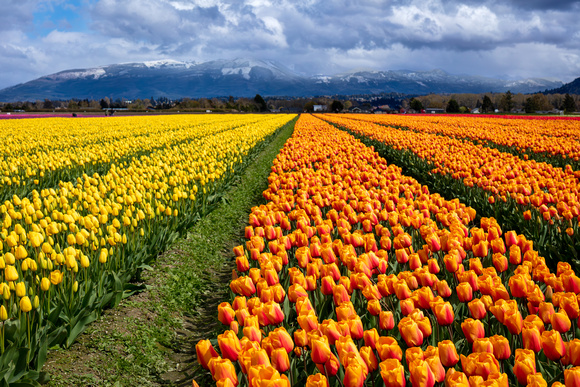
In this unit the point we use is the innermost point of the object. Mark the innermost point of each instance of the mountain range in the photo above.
(248, 77)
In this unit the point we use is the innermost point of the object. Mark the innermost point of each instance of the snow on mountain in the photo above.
(248, 77)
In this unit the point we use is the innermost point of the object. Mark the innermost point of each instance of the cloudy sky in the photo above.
(509, 39)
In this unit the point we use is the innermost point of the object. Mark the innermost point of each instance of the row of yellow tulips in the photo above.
(38, 153)
(354, 274)
(70, 250)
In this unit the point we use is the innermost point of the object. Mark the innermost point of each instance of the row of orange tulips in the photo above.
(354, 274)
(514, 190)
(551, 138)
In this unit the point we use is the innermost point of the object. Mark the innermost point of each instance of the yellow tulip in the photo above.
(3, 313)
(20, 289)
(45, 284)
(10, 273)
(25, 304)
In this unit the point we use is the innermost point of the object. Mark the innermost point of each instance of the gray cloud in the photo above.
(488, 37)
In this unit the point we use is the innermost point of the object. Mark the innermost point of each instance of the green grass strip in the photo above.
(149, 340)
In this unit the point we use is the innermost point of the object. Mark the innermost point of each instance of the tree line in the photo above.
(490, 102)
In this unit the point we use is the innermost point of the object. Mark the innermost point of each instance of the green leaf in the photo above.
(80, 327)
(41, 355)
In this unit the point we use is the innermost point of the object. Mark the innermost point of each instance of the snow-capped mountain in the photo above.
(248, 77)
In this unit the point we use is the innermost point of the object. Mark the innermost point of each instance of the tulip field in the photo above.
(88, 203)
(532, 196)
(355, 274)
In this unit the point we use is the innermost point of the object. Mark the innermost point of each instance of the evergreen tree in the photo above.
(487, 105)
(416, 105)
(336, 106)
(506, 103)
(261, 103)
(452, 106)
(569, 104)
(531, 105)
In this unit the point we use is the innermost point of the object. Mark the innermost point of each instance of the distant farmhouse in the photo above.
(435, 110)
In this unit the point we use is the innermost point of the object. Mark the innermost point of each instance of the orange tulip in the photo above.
(531, 337)
(205, 351)
(301, 338)
(464, 292)
(263, 375)
(443, 289)
(448, 353)
(386, 320)
(444, 313)
(573, 352)
(483, 344)
(273, 312)
(513, 321)
(222, 369)
(282, 339)
(500, 262)
(472, 329)
(320, 349)
(525, 364)
(477, 309)
(393, 373)
(280, 360)
(421, 374)
(371, 336)
(501, 347)
(436, 367)
(369, 358)
(388, 348)
(308, 321)
(553, 345)
(560, 321)
(414, 353)
(456, 379)
(356, 327)
(480, 249)
(572, 377)
(331, 330)
(569, 303)
(354, 375)
(410, 332)
(229, 345)
(482, 364)
(318, 380)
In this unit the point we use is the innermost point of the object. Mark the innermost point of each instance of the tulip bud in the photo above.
(3, 313)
